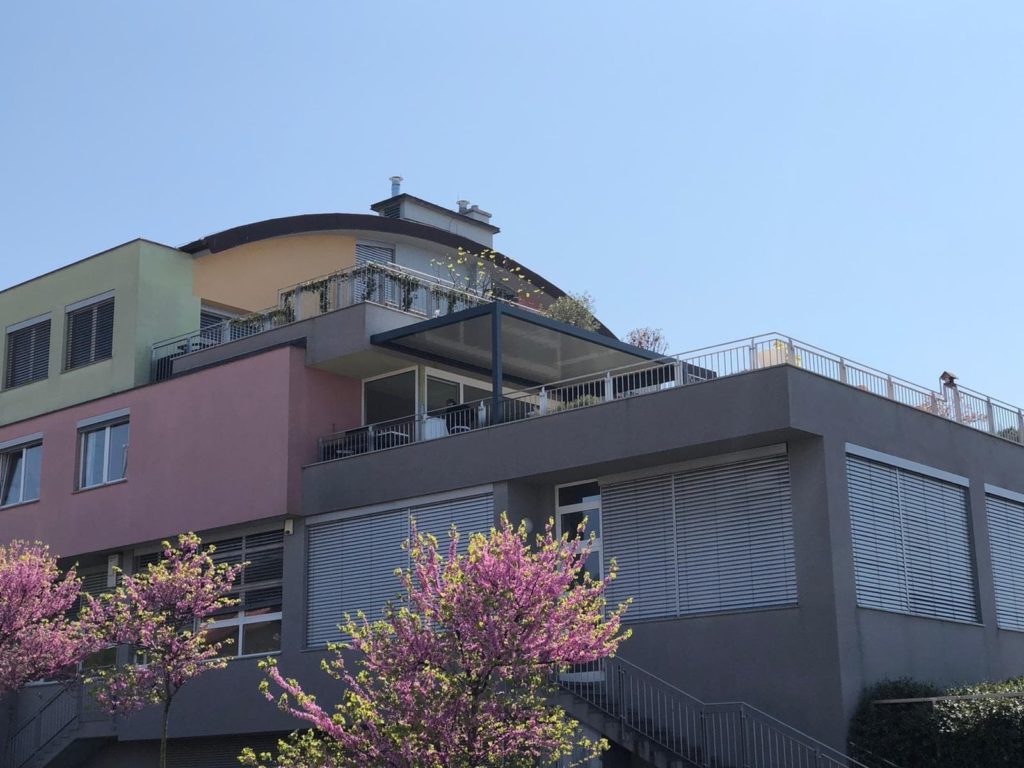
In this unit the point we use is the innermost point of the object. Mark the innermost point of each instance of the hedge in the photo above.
(982, 733)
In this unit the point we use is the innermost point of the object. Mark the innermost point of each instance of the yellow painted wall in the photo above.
(249, 276)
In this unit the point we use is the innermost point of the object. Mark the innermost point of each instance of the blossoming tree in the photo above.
(456, 674)
(37, 639)
(158, 614)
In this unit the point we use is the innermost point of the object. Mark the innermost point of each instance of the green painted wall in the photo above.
(153, 299)
(165, 295)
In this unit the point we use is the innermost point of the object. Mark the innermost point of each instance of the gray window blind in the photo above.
(911, 542)
(471, 515)
(375, 288)
(1006, 533)
(350, 563)
(878, 547)
(734, 534)
(260, 583)
(94, 584)
(639, 532)
(28, 354)
(701, 541)
(374, 254)
(90, 334)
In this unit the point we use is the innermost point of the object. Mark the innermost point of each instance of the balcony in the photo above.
(415, 293)
(951, 402)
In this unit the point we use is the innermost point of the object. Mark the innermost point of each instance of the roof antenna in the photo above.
(396, 185)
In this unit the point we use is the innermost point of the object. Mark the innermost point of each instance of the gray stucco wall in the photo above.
(876, 644)
(807, 664)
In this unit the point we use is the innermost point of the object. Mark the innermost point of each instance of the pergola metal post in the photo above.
(496, 371)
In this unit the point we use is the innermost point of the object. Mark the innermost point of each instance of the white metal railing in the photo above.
(951, 401)
(396, 287)
(720, 734)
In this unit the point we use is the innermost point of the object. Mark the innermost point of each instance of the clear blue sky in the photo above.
(848, 172)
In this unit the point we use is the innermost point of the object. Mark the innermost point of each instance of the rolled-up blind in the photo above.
(90, 334)
(28, 354)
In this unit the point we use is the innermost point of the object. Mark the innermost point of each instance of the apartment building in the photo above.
(790, 525)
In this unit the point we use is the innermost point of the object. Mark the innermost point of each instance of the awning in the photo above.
(512, 345)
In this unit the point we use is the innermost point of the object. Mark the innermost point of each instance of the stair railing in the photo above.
(731, 734)
(58, 714)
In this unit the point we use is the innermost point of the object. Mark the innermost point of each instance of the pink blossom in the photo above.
(456, 675)
(37, 639)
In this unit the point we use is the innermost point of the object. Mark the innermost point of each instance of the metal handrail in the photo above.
(951, 402)
(58, 714)
(387, 284)
(706, 734)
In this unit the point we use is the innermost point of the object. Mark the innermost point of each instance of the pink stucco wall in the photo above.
(217, 447)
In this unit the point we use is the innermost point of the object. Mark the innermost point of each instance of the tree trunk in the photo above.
(163, 735)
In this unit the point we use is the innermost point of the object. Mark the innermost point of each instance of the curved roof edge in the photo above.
(320, 222)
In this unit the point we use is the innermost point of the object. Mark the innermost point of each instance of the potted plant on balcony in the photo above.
(408, 286)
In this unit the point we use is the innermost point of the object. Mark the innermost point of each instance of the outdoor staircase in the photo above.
(63, 733)
(645, 715)
(668, 728)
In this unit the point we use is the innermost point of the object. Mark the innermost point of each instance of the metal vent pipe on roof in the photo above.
(396, 185)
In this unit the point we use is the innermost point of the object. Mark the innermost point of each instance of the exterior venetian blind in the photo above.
(734, 534)
(28, 355)
(1006, 534)
(707, 540)
(639, 533)
(911, 542)
(350, 563)
(472, 515)
(260, 583)
(374, 254)
(90, 334)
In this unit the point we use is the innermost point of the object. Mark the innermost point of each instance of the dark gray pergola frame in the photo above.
(399, 340)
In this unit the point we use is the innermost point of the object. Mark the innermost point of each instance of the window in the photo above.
(575, 502)
(370, 287)
(911, 542)
(20, 469)
(351, 561)
(390, 397)
(90, 333)
(103, 455)
(1006, 534)
(707, 540)
(254, 625)
(28, 353)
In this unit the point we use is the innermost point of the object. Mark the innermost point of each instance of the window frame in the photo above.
(22, 446)
(236, 615)
(83, 434)
(92, 305)
(416, 390)
(587, 508)
(239, 622)
(8, 349)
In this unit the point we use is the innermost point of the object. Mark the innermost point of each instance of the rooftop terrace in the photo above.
(951, 401)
